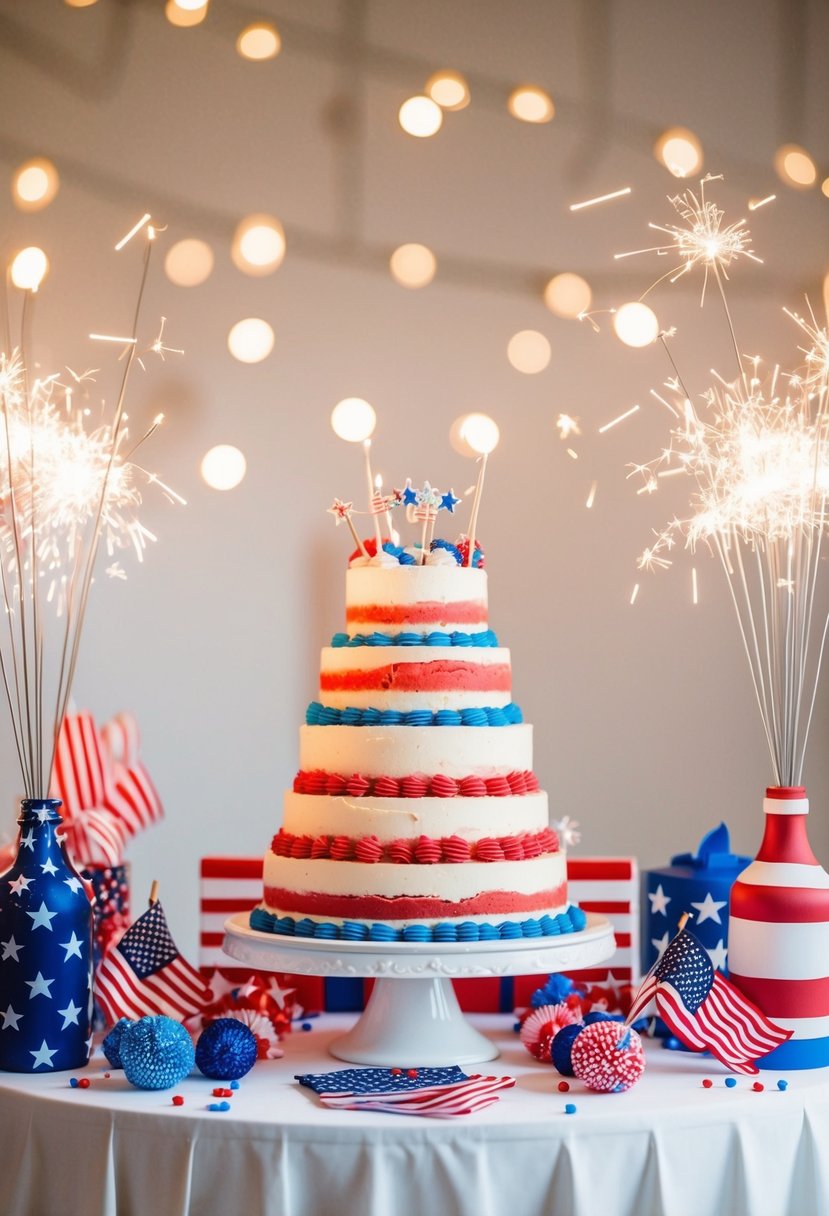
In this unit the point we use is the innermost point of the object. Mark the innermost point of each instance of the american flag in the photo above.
(145, 974)
(435, 1092)
(704, 1010)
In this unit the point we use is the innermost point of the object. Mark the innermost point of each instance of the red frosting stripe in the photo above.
(425, 850)
(417, 785)
(404, 907)
(426, 612)
(441, 675)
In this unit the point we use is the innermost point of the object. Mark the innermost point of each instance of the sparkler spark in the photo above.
(602, 198)
(621, 418)
(567, 426)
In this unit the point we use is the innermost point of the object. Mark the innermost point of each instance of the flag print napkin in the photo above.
(437, 1092)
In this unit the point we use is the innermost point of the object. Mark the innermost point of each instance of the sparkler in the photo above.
(757, 451)
(64, 488)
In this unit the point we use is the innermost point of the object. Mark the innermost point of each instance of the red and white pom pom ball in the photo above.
(608, 1056)
(541, 1025)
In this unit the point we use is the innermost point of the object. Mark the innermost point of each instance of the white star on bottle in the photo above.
(10, 1018)
(709, 909)
(20, 884)
(70, 1014)
(74, 884)
(43, 814)
(43, 1055)
(28, 842)
(48, 866)
(72, 947)
(39, 986)
(660, 944)
(718, 955)
(659, 901)
(11, 949)
(42, 918)
(279, 994)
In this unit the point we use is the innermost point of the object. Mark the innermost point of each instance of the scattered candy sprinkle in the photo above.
(782, 1084)
(570, 1108)
(758, 1087)
(234, 1084)
(307, 1026)
(73, 1081)
(731, 1082)
(707, 1083)
(516, 1026)
(107, 1075)
(219, 1106)
(218, 1093)
(178, 1100)
(83, 1083)
(563, 1087)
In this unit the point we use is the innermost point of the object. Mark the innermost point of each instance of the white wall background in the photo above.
(646, 728)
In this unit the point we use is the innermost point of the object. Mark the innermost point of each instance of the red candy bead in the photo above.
(218, 1093)
(396, 1072)
(707, 1083)
(83, 1083)
(563, 1087)
(178, 1100)
(107, 1075)
(758, 1087)
(411, 1073)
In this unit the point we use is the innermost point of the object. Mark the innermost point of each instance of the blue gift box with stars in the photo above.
(698, 883)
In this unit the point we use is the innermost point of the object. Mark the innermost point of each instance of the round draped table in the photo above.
(668, 1146)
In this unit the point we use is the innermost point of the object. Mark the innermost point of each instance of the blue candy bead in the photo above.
(570, 1108)
(731, 1082)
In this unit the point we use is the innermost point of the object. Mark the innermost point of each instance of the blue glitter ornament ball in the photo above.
(562, 1046)
(111, 1046)
(156, 1052)
(226, 1050)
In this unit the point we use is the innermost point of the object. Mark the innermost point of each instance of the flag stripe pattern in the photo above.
(434, 1092)
(704, 1010)
(145, 974)
(779, 932)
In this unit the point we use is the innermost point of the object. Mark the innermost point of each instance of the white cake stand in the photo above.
(418, 1023)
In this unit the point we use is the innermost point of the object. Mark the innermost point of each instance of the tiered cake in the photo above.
(415, 815)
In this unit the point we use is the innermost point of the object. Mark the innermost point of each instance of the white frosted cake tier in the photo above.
(397, 751)
(400, 818)
(422, 598)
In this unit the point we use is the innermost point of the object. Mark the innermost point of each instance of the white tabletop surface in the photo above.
(668, 1146)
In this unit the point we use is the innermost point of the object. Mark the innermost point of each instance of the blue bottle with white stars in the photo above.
(45, 950)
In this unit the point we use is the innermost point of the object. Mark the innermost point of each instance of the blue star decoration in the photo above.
(409, 496)
(448, 502)
(45, 952)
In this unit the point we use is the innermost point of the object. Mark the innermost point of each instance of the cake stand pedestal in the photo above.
(418, 1023)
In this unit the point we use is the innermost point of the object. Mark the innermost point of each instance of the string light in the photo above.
(531, 104)
(250, 340)
(258, 245)
(568, 295)
(29, 268)
(413, 265)
(528, 351)
(189, 262)
(259, 41)
(185, 13)
(353, 419)
(679, 150)
(34, 184)
(449, 89)
(421, 117)
(636, 324)
(223, 467)
(795, 167)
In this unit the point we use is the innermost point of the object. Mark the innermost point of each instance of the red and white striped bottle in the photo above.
(778, 933)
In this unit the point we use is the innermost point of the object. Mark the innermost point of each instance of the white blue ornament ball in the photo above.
(156, 1052)
(226, 1050)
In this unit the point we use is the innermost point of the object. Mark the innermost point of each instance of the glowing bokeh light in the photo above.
(353, 419)
(795, 167)
(679, 150)
(223, 467)
(528, 351)
(474, 434)
(636, 325)
(531, 104)
(421, 117)
(824, 186)
(413, 265)
(79, 3)
(34, 184)
(29, 268)
(568, 295)
(259, 41)
(449, 89)
(250, 340)
(189, 262)
(185, 15)
(258, 245)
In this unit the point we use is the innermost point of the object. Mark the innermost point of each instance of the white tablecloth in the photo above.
(668, 1146)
